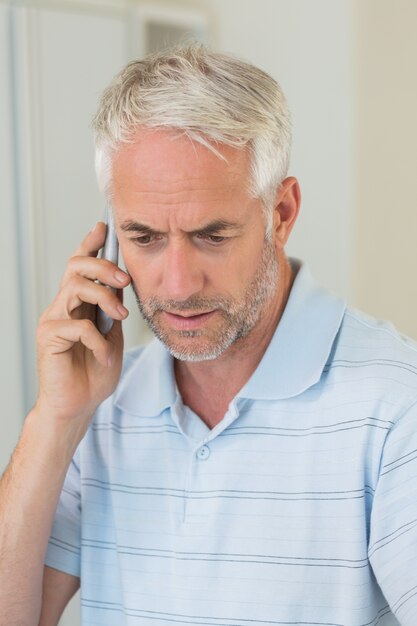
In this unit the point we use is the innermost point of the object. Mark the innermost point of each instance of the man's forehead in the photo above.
(181, 216)
(168, 182)
(162, 157)
(187, 211)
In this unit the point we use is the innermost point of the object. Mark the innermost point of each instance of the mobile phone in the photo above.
(110, 251)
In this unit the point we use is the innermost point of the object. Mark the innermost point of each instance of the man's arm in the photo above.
(78, 368)
(58, 589)
(29, 492)
(392, 547)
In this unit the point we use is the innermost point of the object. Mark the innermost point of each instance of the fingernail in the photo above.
(120, 276)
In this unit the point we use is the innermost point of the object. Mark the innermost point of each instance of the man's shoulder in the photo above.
(379, 335)
(377, 351)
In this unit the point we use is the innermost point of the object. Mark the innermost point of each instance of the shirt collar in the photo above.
(301, 344)
(293, 361)
(149, 385)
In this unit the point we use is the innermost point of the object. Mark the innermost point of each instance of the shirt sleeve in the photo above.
(64, 547)
(393, 528)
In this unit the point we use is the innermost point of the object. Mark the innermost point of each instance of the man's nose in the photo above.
(182, 275)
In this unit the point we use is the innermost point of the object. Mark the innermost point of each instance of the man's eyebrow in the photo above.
(209, 229)
(215, 227)
(137, 227)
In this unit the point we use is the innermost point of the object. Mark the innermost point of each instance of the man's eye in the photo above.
(145, 240)
(212, 238)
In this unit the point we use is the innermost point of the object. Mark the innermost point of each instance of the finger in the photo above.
(120, 294)
(79, 291)
(93, 241)
(95, 269)
(115, 337)
(57, 337)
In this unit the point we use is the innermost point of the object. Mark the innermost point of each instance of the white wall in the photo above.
(11, 345)
(385, 250)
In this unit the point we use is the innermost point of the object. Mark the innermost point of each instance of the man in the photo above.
(256, 463)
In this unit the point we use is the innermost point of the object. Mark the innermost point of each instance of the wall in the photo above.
(11, 373)
(384, 256)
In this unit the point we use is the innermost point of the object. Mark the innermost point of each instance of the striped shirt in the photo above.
(298, 508)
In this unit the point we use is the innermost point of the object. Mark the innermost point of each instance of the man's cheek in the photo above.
(136, 288)
(138, 282)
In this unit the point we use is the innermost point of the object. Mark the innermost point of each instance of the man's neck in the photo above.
(208, 387)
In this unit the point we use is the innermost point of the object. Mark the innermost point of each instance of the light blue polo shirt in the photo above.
(298, 508)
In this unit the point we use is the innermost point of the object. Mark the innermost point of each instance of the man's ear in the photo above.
(286, 208)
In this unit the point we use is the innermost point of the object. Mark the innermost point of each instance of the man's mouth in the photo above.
(187, 321)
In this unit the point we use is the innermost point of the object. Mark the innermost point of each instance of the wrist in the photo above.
(59, 436)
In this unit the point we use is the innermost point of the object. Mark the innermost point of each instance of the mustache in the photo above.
(194, 303)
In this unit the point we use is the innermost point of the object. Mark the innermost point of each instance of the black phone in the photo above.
(110, 251)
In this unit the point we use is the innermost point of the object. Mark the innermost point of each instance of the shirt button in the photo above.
(203, 453)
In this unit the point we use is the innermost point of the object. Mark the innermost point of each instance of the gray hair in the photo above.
(212, 98)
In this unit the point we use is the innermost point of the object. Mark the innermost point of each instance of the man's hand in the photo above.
(78, 367)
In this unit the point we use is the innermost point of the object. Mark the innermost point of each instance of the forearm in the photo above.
(29, 492)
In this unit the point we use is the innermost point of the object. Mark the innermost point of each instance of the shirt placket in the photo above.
(202, 447)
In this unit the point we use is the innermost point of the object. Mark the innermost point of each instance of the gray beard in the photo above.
(239, 316)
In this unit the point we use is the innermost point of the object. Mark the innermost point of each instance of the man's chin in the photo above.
(205, 343)
(192, 350)
(191, 345)
(193, 358)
